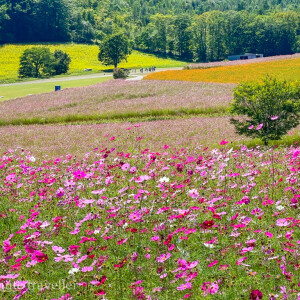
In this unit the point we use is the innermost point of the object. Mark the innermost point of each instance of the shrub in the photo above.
(36, 62)
(62, 62)
(271, 108)
(120, 73)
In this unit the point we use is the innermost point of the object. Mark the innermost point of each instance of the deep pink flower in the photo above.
(223, 142)
(74, 249)
(213, 263)
(256, 295)
(39, 256)
(268, 234)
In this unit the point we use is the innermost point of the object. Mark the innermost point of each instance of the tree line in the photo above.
(200, 30)
(215, 35)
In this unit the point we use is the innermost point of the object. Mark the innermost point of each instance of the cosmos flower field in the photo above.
(143, 190)
(173, 224)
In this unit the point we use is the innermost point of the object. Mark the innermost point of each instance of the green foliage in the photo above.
(62, 62)
(271, 108)
(40, 62)
(200, 30)
(39, 20)
(36, 62)
(120, 73)
(114, 48)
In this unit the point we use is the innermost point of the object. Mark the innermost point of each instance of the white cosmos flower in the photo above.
(32, 159)
(73, 271)
(164, 179)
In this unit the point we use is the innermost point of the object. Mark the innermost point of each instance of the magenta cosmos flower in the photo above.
(259, 126)
(256, 295)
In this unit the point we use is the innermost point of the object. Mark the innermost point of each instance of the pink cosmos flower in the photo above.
(223, 142)
(132, 170)
(60, 192)
(223, 267)
(209, 288)
(125, 167)
(74, 249)
(246, 249)
(213, 263)
(251, 127)
(163, 257)
(184, 286)
(268, 234)
(79, 174)
(136, 216)
(260, 126)
(20, 284)
(282, 222)
(58, 249)
(240, 260)
(39, 256)
(296, 154)
(256, 295)
(134, 256)
(122, 241)
(256, 211)
(193, 193)
(274, 118)
(87, 269)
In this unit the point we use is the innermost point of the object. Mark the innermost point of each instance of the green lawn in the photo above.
(15, 91)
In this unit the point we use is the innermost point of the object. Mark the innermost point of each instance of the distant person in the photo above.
(141, 70)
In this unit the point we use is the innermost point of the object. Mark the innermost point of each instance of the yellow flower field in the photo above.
(83, 56)
(288, 69)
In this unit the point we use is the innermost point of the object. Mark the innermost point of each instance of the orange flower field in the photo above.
(288, 69)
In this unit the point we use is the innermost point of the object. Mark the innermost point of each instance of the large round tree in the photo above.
(114, 48)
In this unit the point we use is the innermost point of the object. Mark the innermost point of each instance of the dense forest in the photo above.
(200, 30)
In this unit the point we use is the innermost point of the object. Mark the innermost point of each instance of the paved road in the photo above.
(137, 76)
(69, 78)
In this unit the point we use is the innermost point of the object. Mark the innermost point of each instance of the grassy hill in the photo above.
(83, 57)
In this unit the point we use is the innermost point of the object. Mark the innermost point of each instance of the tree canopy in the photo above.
(195, 29)
(114, 49)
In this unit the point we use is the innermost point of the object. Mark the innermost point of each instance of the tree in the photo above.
(53, 18)
(114, 48)
(62, 62)
(271, 108)
(36, 62)
(183, 35)
(199, 36)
